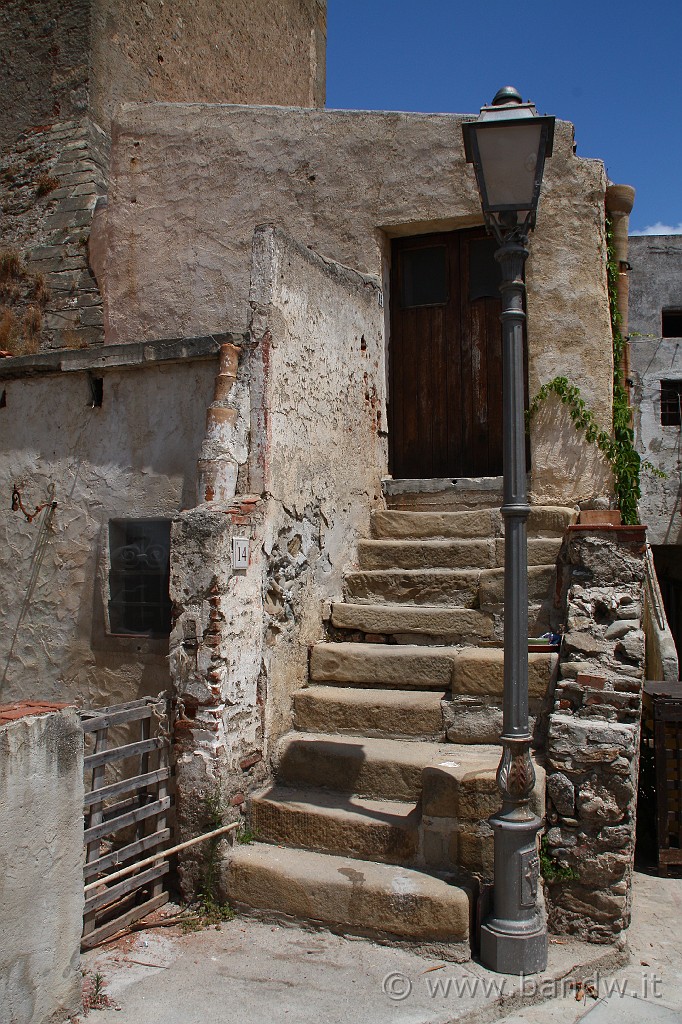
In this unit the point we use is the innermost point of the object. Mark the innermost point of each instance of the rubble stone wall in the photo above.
(51, 181)
(592, 754)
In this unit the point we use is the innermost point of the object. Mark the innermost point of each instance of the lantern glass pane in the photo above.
(509, 155)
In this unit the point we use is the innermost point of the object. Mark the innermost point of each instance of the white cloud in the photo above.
(659, 229)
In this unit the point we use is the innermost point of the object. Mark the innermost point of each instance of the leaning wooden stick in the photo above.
(132, 868)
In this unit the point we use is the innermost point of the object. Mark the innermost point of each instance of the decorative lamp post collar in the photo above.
(508, 145)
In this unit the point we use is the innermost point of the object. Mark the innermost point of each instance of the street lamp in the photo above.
(507, 146)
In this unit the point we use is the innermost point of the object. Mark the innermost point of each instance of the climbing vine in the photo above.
(618, 447)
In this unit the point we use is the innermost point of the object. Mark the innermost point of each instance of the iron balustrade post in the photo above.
(514, 937)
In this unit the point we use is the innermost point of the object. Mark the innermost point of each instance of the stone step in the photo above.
(480, 672)
(369, 712)
(365, 766)
(391, 525)
(541, 585)
(457, 588)
(449, 554)
(350, 895)
(395, 770)
(454, 588)
(544, 520)
(380, 830)
(405, 666)
(454, 625)
(400, 665)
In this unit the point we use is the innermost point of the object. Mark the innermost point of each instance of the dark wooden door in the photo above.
(445, 357)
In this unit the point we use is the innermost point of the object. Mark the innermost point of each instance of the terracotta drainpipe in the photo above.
(619, 202)
(217, 466)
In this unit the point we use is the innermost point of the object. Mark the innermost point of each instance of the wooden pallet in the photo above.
(127, 805)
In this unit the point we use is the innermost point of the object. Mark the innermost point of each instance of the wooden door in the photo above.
(445, 357)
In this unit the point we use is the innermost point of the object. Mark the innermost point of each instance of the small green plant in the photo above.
(550, 868)
(245, 835)
(93, 994)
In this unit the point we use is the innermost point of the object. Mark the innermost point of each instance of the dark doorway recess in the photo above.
(445, 357)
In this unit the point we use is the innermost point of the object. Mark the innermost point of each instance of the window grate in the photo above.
(671, 403)
(139, 603)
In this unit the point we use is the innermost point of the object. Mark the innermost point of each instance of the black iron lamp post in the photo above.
(507, 146)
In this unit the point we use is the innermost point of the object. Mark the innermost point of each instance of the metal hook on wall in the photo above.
(18, 505)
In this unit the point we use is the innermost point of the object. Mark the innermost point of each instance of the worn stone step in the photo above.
(544, 520)
(541, 550)
(426, 554)
(366, 766)
(391, 525)
(480, 672)
(449, 554)
(357, 896)
(401, 665)
(541, 585)
(380, 830)
(455, 625)
(369, 712)
(450, 587)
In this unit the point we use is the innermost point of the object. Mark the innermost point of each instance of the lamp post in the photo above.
(507, 146)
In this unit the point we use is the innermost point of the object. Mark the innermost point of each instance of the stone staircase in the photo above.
(377, 820)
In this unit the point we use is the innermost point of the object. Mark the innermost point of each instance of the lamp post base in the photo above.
(514, 936)
(509, 952)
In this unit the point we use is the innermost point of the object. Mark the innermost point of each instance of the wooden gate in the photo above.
(127, 805)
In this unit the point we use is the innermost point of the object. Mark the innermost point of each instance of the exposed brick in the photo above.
(250, 760)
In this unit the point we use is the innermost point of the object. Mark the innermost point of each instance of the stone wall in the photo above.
(308, 386)
(50, 183)
(656, 284)
(132, 457)
(41, 855)
(44, 57)
(592, 755)
(344, 183)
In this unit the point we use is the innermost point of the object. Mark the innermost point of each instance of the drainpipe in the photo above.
(218, 463)
(619, 202)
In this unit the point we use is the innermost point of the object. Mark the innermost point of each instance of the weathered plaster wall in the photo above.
(235, 51)
(656, 284)
(318, 441)
(342, 182)
(309, 387)
(41, 853)
(133, 457)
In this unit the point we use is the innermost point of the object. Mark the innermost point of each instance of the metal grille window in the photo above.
(671, 401)
(139, 604)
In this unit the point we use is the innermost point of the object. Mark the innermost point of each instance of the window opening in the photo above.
(671, 401)
(485, 275)
(424, 277)
(96, 392)
(671, 323)
(139, 603)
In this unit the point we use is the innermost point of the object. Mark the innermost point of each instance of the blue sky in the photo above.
(613, 69)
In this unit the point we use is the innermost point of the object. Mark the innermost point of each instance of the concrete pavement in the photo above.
(250, 971)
